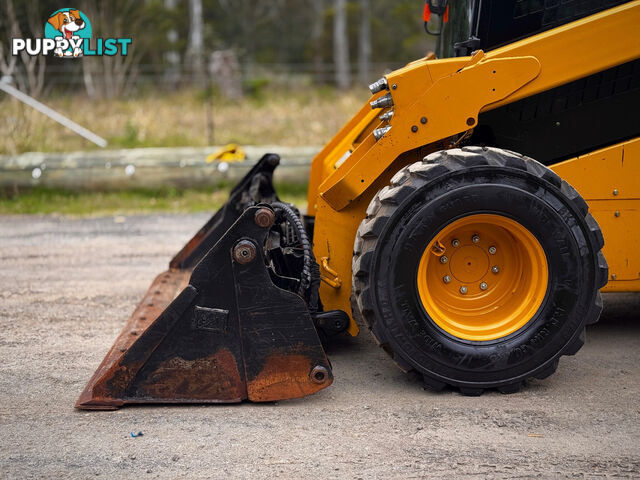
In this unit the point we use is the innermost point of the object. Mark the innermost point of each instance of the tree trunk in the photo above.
(317, 29)
(195, 50)
(172, 56)
(364, 42)
(341, 45)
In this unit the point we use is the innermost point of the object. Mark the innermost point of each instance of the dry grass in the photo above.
(307, 117)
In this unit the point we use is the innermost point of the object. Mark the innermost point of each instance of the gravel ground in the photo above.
(67, 287)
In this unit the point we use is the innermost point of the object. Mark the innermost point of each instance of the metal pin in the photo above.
(378, 133)
(446, 279)
(455, 243)
(378, 86)
(387, 116)
(492, 250)
(475, 239)
(444, 259)
(463, 289)
(483, 286)
(382, 102)
(495, 269)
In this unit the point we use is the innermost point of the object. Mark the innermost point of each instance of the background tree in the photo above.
(21, 20)
(273, 40)
(364, 42)
(341, 45)
(195, 48)
(112, 76)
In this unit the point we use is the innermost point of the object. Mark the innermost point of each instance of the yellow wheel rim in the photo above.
(482, 277)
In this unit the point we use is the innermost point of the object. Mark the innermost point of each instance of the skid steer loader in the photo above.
(454, 215)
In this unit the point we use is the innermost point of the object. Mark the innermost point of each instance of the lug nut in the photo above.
(475, 239)
(378, 86)
(446, 279)
(463, 290)
(382, 102)
(455, 243)
(444, 259)
(483, 286)
(492, 250)
(378, 133)
(495, 269)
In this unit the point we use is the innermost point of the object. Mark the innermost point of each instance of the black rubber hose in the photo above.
(294, 220)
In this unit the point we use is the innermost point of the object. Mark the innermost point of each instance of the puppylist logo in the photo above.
(67, 34)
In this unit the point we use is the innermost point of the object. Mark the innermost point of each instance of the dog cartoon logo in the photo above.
(68, 27)
(67, 34)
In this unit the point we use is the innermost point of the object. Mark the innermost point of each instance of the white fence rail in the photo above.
(144, 168)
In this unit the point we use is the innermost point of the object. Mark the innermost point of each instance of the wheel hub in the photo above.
(469, 264)
(482, 277)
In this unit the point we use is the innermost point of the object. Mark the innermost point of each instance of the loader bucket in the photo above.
(219, 332)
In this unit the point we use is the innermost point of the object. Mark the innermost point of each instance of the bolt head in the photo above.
(475, 239)
(615, 191)
(455, 243)
(463, 290)
(423, 120)
(319, 374)
(493, 250)
(244, 251)
(444, 259)
(617, 213)
(495, 269)
(414, 129)
(264, 217)
(446, 279)
(483, 286)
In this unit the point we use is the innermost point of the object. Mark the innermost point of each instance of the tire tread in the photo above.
(413, 177)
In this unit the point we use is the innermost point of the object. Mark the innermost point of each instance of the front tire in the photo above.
(519, 280)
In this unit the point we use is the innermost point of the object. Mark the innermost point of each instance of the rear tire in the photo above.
(413, 320)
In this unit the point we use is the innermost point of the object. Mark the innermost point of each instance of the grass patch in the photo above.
(51, 201)
(265, 116)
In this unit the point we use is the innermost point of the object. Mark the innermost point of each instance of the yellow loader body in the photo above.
(450, 94)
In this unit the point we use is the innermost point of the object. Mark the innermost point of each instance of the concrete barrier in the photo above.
(144, 168)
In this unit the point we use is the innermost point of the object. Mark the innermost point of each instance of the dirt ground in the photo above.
(67, 287)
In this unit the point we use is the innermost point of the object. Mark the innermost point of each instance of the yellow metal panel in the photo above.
(612, 173)
(334, 234)
(609, 180)
(450, 106)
